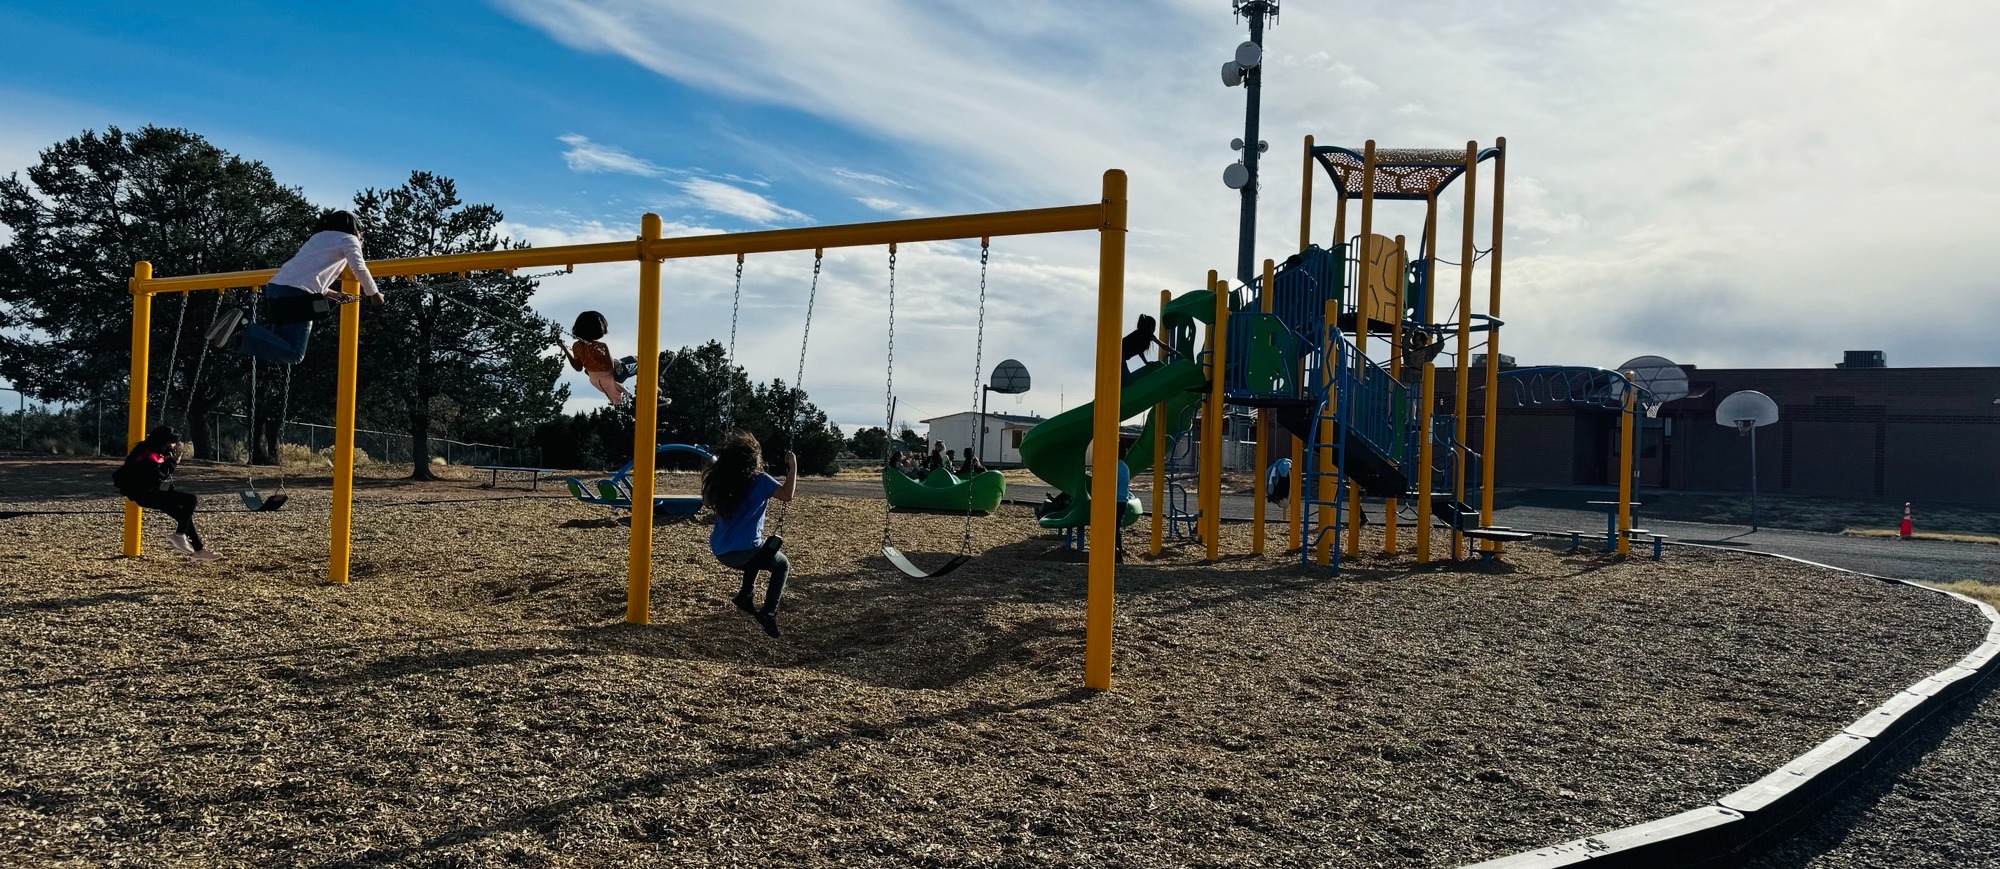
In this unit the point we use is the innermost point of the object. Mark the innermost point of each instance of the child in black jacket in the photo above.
(148, 467)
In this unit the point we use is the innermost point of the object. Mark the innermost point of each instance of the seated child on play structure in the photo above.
(300, 292)
(1139, 342)
(932, 462)
(971, 466)
(150, 465)
(738, 490)
(591, 356)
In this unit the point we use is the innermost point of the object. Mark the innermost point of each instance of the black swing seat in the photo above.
(263, 504)
(910, 569)
(299, 309)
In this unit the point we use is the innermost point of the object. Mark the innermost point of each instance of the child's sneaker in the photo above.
(769, 621)
(743, 602)
(180, 543)
(204, 555)
(224, 329)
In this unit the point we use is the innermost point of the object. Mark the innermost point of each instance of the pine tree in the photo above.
(93, 205)
(468, 349)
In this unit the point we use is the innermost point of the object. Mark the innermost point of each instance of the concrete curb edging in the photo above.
(1779, 804)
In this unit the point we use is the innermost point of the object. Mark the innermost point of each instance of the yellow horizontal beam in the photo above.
(527, 257)
(1069, 218)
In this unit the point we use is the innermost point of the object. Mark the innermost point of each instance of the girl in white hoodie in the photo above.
(293, 298)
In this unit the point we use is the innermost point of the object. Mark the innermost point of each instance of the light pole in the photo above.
(1247, 69)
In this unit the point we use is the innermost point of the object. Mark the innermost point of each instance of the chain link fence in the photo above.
(229, 433)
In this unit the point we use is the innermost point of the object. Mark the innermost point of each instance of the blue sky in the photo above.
(1724, 183)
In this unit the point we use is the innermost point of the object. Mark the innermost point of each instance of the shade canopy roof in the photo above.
(1400, 173)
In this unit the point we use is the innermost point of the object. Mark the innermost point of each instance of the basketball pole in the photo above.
(1753, 477)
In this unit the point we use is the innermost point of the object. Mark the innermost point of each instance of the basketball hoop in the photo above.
(1743, 426)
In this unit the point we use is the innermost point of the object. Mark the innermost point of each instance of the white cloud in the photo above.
(890, 206)
(584, 155)
(883, 180)
(735, 201)
(1729, 186)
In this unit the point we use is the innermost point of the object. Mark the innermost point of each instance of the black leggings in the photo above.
(179, 505)
(762, 558)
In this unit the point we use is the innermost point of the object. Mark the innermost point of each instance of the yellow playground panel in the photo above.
(1107, 217)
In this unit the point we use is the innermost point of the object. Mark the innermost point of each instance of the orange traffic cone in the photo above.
(1906, 520)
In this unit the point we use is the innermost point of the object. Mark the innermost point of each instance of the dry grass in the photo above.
(473, 698)
(1922, 535)
(1981, 591)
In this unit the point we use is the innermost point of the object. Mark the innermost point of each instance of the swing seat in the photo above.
(910, 569)
(259, 504)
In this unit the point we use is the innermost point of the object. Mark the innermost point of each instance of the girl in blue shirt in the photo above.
(738, 490)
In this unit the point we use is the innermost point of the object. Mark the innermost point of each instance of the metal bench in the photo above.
(534, 475)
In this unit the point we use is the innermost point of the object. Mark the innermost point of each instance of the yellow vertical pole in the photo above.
(1328, 491)
(645, 430)
(1263, 456)
(1626, 420)
(135, 416)
(1389, 514)
(1490, 456)
(1461, 452)
(341, 548)
(1361, 321)
(1162, 499)
(1427, 390)
(1104, 436)
(1212, 421)
(1294, 512)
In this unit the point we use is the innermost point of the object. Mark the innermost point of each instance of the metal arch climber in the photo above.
(1105, 215)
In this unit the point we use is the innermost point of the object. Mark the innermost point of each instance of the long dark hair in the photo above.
(339, 221)
(590, 326)
(738, 460)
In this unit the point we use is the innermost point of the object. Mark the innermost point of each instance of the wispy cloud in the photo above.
(584, 155)
(883, 180)
(735, 201)
(889, 206)
(1766, 189)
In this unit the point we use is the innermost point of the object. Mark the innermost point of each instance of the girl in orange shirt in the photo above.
(591, 356)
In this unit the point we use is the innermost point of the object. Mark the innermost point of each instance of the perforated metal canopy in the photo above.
(1400, 173)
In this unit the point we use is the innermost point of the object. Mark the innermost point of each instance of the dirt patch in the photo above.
(473, 698)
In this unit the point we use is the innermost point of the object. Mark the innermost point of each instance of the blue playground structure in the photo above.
(615, 490)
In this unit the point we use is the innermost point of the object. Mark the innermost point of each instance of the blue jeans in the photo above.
(284, 343)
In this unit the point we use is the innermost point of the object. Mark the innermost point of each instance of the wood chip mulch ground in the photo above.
(473, 698)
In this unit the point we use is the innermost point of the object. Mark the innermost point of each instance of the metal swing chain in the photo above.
(284, 412)
(978, 365)
(792, 433)
(728, 386)
(173, 357)
(194, 384)
(889, 401)
(803, 342)
(250, 442)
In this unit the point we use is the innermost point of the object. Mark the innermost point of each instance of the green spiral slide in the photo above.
(1055, 449)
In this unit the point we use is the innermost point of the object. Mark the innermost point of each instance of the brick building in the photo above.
(1854, 433)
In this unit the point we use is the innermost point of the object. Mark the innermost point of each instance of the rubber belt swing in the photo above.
(895, 556)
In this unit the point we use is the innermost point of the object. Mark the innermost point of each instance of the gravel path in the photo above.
(1935, 805)
(1921, 560)
(472, 699)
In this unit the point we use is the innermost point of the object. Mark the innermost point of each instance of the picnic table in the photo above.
(534, 475)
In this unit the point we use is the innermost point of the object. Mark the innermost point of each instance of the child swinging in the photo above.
(738, 490)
